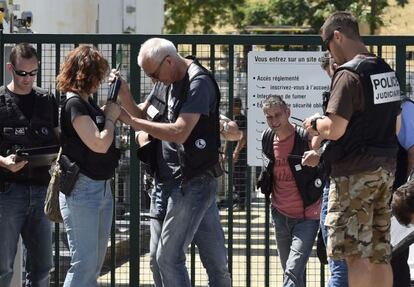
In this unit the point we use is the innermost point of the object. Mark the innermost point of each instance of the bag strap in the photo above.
(267, 143)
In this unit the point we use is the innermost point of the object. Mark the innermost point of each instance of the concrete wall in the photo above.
(95, 16)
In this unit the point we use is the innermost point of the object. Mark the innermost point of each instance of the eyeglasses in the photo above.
(24, 73)
(330, 37)
(154, 75)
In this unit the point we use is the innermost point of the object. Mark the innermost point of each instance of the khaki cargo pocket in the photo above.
(342, 234)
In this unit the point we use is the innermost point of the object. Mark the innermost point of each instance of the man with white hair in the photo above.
(182, 117)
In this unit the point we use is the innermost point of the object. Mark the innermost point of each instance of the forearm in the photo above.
(133, 109)
(129, 104)
(230, 131)
(105, 138)
(325, 129)
(95, 140)
(330, 127)
(163, 131)
(240, 144)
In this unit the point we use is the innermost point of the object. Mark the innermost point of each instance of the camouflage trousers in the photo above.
(359, 213)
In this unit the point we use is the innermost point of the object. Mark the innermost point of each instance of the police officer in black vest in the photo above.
(182, 116)
(361, 121)
(28, 118)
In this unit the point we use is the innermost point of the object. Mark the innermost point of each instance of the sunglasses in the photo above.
(24, 73)
(156, 73)
(330, 37)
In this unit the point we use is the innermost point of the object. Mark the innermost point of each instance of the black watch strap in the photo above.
(314, 123)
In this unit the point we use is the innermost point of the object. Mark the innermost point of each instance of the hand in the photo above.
(10, 163)
(307, 124)
(112, 75)
(112, 111)
(316, 142)
(310, 158)
(125, 117)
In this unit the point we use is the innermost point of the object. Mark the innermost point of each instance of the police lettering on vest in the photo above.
(385, 88)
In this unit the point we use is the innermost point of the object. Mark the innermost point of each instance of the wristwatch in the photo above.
(313, 123)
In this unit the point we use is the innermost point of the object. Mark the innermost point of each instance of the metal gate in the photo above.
(252, 254)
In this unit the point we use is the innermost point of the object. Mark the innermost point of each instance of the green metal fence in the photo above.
(252, 253)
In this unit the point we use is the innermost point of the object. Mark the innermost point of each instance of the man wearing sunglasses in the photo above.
(28, 119)
(361, 121)
(182, 116)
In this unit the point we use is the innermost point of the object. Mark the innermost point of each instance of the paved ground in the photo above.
(239, 258)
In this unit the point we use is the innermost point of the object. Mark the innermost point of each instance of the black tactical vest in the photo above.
(98, 166)
(371, 131)
(309, 180)
(200, 152)
(17, 132)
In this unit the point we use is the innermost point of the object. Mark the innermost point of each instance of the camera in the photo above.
(26, 18)
(113, 90)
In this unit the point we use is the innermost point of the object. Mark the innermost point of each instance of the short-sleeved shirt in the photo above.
(77, 107)
(97, 165)
(347, 97)
(406, 134)
(201, 99)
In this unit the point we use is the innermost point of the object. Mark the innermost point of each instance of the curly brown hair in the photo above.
(83, 70)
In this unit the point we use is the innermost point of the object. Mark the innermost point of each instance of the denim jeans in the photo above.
(294, 240)
(87, 215)
(21, 213)
(191, 214)
(338, 268)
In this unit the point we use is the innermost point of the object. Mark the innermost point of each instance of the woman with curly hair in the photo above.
(87, 135)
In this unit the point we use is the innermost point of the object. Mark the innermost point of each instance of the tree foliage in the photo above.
(314, 12)
(199, 15)
(202, 16)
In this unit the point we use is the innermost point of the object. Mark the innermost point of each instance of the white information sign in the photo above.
(295, 76)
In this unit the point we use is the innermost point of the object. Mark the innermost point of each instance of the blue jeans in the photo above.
(87, 215)
(21, 213)
(191, 214)
(338, 268)
(294, 240)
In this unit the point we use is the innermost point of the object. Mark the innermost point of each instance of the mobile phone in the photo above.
(114, 87)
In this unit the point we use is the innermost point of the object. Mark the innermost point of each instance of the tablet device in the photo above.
(38, 156)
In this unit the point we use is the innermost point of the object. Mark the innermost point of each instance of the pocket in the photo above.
(341, 228)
